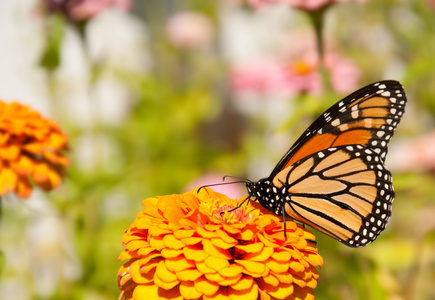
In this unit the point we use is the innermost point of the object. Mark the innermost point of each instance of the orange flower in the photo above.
(182, 247)
(30, 150)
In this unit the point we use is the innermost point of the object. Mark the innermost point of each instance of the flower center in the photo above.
(302, 67)
(231, 215)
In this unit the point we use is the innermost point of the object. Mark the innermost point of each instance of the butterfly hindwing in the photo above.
(345, 192)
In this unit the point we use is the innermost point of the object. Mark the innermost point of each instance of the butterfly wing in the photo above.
(344, 191)
(333, 178)
(366, 117)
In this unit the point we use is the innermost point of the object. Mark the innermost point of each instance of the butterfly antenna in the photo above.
(223, 183)
(239, 179)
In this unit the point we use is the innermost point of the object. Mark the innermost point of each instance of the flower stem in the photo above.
(317, 18)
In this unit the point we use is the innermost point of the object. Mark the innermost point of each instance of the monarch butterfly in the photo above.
(333, 178)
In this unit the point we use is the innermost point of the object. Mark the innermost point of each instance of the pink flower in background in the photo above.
(414, 155)
(309, 4)
(80, 10)
(301, 4)
(261, 77)
(188, 30)
(303, 77)
(344, 73)
(87, 9)
(296, 71)
(276, 77)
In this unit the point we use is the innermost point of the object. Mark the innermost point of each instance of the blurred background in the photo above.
(161, 96)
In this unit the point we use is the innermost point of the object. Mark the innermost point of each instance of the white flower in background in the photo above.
(188, 30)
(39, 256)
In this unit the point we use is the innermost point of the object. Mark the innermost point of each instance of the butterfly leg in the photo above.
(312, 241)
(238, 206)
(285, 225)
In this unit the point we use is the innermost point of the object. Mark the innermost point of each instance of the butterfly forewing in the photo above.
(333, 178)
(367, 117)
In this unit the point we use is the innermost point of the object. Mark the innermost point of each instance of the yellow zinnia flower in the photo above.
(188, 246)
(31, 149)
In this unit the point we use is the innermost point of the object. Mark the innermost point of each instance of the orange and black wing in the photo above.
(334, 178)
(345, 192)
(367, 117)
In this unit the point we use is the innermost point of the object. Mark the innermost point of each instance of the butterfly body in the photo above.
(333, 178)
(271, 197)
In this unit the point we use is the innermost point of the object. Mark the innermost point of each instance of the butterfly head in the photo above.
(267, 194)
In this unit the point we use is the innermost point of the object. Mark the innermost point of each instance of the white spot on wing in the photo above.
(354, 113)
(336, 122)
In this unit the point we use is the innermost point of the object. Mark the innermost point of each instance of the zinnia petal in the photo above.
(145, 292)
(251, 293)
(255, 269)
(244, 283)
(282, 291)
(261, 255)
(216, 263)
(231, 271)
(205, 286)
(8, 179)
(195, 253)
(188, 290)
(215, 251)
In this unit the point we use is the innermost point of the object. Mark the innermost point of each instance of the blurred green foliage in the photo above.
(183, 123)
